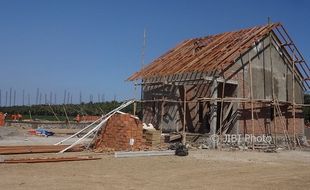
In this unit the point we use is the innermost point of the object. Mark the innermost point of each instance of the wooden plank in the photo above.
(45, 160)
(37, 149)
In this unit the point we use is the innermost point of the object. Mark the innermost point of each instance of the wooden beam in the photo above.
(251, 98)
(184, 117)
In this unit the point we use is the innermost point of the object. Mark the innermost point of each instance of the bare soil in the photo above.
(20, 136)
(202, 169)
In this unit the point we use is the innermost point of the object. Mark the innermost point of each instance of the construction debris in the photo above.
(173, 137)
(181, 150)
(41, 132)
(103, 119)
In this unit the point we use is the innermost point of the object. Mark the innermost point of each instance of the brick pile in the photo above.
(118, 131)
(153, 138)
(1, 119)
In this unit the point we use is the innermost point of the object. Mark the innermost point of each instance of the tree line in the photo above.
(90, 108)
(71, 110)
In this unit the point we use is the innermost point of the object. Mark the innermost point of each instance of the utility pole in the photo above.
(143, 48)
(23, 97)
(65, 94)
(55, 101)
(91, 98)
(10, 97)
(28, 99)
(40, 98)
(14, 98)
(37, 96)
(45, 98)
(68, 97)
(51, 98)
(6, 98)
(102, 98)
(80, 97)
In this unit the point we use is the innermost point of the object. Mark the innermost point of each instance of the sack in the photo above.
(181, 150)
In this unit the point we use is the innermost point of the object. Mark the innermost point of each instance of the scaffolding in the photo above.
(279, 38)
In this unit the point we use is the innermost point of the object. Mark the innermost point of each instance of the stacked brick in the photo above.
(122, 132)
(153, 138)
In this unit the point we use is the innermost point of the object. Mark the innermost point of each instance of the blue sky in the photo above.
(93, 46)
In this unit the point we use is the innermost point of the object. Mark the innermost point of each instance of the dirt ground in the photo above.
(20, 136)
(202, 169)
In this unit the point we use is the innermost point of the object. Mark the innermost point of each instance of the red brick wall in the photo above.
(118, 131)
(263, 123)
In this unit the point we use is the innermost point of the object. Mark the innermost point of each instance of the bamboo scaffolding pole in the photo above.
(52, 112)
(134, 108)
(107, 117)
(293, 86)
(98, 120)
(162, 116)
(251, 98)
(67, 116)
(135, 98)
(278, 109)
(184, 117)
(272, 105)
(221, 115)
(275, 128)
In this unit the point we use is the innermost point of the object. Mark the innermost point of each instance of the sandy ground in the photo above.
(20, 136)
(202, 169)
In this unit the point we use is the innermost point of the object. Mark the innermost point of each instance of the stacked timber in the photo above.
(28, 149)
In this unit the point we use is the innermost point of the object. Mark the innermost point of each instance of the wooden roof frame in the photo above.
(220, 51)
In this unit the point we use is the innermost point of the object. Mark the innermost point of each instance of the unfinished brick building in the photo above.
(249, 81)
